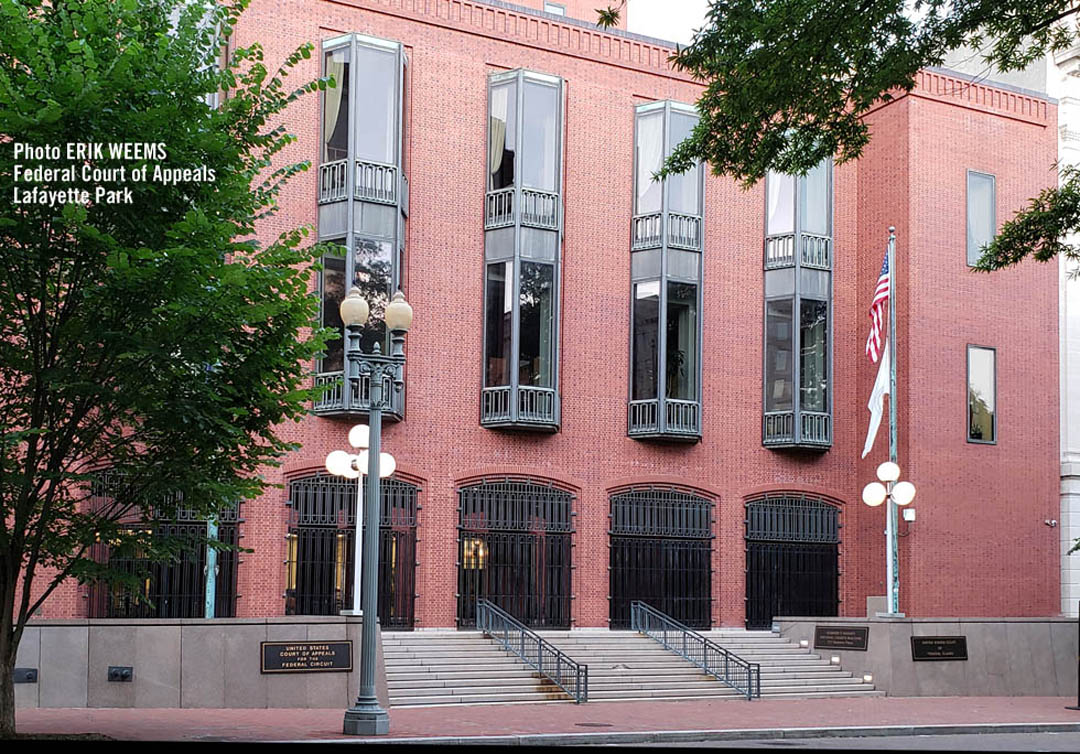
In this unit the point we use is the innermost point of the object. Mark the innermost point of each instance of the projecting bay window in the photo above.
(363, 197)
(798, 310)
(522, 242)
(665, 267)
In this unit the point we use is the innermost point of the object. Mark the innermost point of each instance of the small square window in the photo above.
(981, 213)
(981, 394)
(555, 9)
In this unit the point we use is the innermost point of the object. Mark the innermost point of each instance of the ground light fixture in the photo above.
(367, 717)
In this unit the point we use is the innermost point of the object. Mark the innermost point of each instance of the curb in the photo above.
(691, 736)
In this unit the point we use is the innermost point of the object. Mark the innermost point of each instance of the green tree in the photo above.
(787, 83)
(158, 337)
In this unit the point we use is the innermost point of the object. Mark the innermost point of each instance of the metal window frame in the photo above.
(666, 108)
(521, 76)
(967, 394)
(967, 212)
(796, 319)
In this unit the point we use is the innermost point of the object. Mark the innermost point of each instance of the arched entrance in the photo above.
(792, 553)
(661, 548)
(319, 565)
(514, 550)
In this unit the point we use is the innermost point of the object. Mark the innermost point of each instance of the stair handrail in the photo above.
(547, 660)
(724, 665)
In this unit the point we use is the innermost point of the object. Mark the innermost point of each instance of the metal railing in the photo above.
(645, 232)
(778, 427)
(539, 209)
(684, 231)
(332, 401)
(780, 251)
(725, 666)
(376, 182)
(680, 417)
(332, 181)
(816, 251)
(536, 405)
(550, 662)
(499, 209)
(816, 428)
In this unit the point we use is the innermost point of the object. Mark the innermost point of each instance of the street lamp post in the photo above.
(897, 494)
(366, 716)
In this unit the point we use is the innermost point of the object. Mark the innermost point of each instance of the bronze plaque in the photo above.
(306, 656)
(939, 648)
(842, 637)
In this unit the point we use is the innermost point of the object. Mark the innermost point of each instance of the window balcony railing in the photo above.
(333, 181)
(499, 209)
(376, 182)
(645, 232)
(539, 209)
(679, 420)
(780, 251)
(816, 252)
(684, 231)
(815, 430)
(533, 408)
(333, 401)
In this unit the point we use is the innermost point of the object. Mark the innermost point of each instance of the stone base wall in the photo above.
(1006, 656)
(185, 663)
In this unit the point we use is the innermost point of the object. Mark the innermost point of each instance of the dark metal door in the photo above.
(792, 557)
(672, 575)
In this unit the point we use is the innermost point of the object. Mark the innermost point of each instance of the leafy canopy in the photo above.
(787, 83)
(160, 337)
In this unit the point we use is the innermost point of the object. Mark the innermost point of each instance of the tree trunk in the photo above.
(8, 647)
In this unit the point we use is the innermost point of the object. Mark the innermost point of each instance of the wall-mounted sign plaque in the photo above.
(939, 648)
(841, 637)
(306, 656)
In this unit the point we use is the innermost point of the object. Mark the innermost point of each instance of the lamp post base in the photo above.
(366, 719)
(891, 615)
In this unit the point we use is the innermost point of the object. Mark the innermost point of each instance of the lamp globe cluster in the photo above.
(876, 493)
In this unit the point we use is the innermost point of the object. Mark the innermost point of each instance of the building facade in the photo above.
(618, 388)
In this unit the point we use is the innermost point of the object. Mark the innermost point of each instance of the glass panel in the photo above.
(372, 275)
(778, 361)
(649, 158)
(645, 341)
(981, 395)
(336, 108)
(780, 204)
(404, 116)
(537, 325)
(376, 126)
(333, 291)
(498, 324)
(681, 344)
(683, 195)
(814, 355)
(539, 137)
(502, 136)
(814, 200)
(981, 214)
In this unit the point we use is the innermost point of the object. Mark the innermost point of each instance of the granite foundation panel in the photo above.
(1005, 656)
(185, 663)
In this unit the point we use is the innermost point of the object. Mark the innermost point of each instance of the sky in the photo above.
(671, 20)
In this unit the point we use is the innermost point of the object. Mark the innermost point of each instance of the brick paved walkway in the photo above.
(594, 717)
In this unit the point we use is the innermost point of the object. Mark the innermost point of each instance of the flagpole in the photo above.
(892, 565)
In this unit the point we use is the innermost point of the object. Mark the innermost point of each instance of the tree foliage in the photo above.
(160, 336)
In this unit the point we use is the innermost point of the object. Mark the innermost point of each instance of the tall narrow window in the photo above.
(363, 206)
(982, 394)
(665, 268)
(981, 213)
(798, 309)
(522, 242)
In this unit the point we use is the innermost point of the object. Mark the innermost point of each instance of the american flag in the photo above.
(877, 311)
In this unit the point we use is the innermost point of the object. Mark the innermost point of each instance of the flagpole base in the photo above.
(890, 615)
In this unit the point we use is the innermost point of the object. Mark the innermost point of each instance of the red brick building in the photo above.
(668, 434)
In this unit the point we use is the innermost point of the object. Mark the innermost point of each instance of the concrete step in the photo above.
(496, 698)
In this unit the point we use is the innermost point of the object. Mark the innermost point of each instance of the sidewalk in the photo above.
(595, 722)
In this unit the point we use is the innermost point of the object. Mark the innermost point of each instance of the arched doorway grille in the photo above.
(514, 540)
(319, 565)
(661, 553)
(792, 556)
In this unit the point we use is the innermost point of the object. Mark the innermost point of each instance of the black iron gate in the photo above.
(319, 577)
(792, 554)
(661, 553)
(514, 549)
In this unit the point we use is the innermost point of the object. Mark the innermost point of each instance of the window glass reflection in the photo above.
(333, 292)
(373, 276)
(650, 147)
(645, 340)
(537, 318)
(502, 136)
(981, 214)
(814, 200)
(376, 90)
(981, 395)
(780, 204)
(539, 137)
(683, 194)
(497, 324)
(814, 356)
(681, 344)
(778, 356)
(336, 107)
